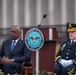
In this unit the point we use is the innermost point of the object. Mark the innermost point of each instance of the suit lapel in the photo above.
(17, 45)
(9, 46)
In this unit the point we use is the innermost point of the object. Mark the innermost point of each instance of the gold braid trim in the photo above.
(57, 57)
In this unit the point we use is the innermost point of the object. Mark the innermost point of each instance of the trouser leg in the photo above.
(11, 68)
(57, 69)
(1, 67)
(65, 70)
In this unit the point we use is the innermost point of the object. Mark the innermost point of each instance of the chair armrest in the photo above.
(25, 64)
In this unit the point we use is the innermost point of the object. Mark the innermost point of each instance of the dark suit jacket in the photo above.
(20, 53)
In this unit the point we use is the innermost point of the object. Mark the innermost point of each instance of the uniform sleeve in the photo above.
(59, 56)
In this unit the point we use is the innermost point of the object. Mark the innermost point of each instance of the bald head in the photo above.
(16, 26)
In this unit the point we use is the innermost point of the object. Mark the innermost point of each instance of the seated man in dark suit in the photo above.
(66, 57)
(12, 54)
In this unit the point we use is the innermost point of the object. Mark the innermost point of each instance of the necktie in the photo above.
(72, 42)
(13, 45)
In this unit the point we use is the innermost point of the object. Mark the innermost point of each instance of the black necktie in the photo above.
(72, 42)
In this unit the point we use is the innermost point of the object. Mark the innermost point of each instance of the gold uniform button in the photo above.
(68, 50)
(67, 57)
(67, 53)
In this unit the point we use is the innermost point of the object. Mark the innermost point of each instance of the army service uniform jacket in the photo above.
(67, 51)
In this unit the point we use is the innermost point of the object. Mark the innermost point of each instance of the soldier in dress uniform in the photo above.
(66, 56)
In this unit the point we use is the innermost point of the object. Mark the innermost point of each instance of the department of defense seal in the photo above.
(34, 39)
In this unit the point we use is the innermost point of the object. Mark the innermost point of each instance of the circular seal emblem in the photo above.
(34, 39)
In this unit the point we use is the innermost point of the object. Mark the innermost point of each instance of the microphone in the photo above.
(44, 16)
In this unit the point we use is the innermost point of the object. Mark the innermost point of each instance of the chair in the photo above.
(26, 68)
